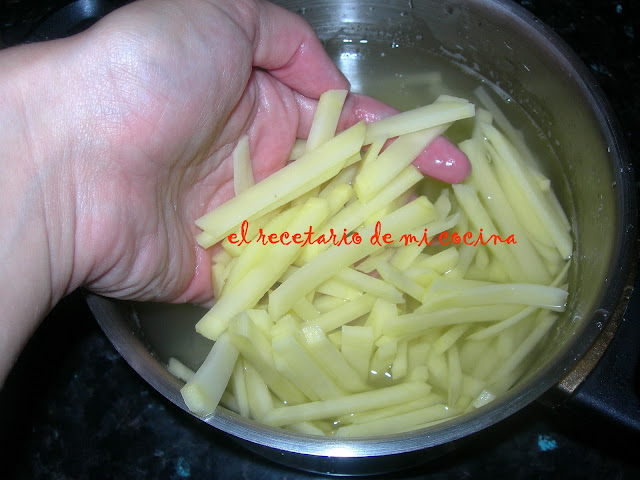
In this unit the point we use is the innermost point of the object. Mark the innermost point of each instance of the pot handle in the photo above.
(610, 393)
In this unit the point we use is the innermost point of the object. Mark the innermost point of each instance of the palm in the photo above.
(178, 103)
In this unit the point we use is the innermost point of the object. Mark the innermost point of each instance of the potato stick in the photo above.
(357, 402)
(326, 303)
(430, 230)
(471, 351)
(206, 240)
(180, 370)
(381, 312)
(400, 363)
(369, 284)
(357, 212)
(344, 314)
(321, 268)
(331, 360)
(325, 120)
(375, 175)
(305, 196)
(229, 401)
(418, 322)
(552, 298)
(471, 386)
(338, 196)
(443, 204)
(399, 280)
(221, 257)
(420, 118)
(374, 150)
(359, 418)
(551, 222)
(468, 199)
(253, 229)
(219, 273)
(450, 337)
(357, 347)
(496, 328)
(455, 376)
(298, 150)
(255, 251)
(242, 172)
(544, 320)
(239, 388)
(262, 320)
(344, 177)
(419, 373)
(423, 276)
(336, 338)
(383, 358)
(256, 349)
(289, 347)
(487, 363)
(281, 187)
(438, 370)
(203, 392)
(250, 289)
(403, 258)
(498, 207)
(442, 261)
(295, 376)
(370, 263)
(258, 395)
(306, 310)
(482, 258)
(397, 423)
(417, 353)
(339, 289)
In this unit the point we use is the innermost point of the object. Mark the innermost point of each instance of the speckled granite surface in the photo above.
(73, 409)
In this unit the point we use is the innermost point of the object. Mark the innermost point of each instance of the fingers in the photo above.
(441, 159)
(287, 47)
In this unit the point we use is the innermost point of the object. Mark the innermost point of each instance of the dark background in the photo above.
(72, 408)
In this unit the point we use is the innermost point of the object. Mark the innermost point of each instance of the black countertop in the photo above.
(72, 407)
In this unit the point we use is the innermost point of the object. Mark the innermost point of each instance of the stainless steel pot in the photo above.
(510, 49)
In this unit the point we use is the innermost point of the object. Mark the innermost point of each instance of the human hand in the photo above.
(126, 131)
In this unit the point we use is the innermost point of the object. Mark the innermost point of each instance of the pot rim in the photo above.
(149, 368)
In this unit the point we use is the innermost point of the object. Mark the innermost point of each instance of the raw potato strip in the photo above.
(552, 298)
(329, 357)
(357, 402)
(344, 314)
(498, 206)
(544, 321)
(326, 118)
(255, 348)
(321, 268)
(258, 395)
(421, 118)
(396, 278)
(398, 423)
(242, 172)
(498, 327)
(399, 155)
(468, 199)
(252, 232)
(373, 150)
(298, 150)
(552, 223)
(239, 388)
(203, 392)
(180, 370)
(357, 346)
(369, 284)
(356, 213)
(252, 287)
(286, 184)
(288, 345)
(417, 322)
(428, 401)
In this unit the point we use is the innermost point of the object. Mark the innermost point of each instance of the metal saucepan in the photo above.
(377, 43)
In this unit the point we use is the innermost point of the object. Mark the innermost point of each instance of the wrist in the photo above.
(38, 204)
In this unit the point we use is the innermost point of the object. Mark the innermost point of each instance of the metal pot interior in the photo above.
(387, 49)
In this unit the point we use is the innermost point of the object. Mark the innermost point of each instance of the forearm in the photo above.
(37, 201)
